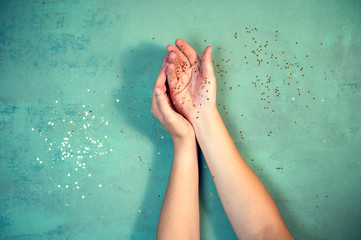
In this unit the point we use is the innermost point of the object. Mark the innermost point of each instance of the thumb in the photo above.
(162, 102)
(207, 65)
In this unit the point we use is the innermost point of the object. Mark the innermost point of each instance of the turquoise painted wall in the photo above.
(82, 157)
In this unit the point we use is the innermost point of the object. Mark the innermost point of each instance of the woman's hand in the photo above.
(179, 217)
(191, 81)
(245, 199)
(162, 108)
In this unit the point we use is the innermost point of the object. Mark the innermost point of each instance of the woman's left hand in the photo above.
(162, 108)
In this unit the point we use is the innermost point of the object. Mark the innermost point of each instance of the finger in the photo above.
(173, 59)
(183, 60)
(160, 82)
(188, 52)
(172, 78)
(155, 111)
(163, 103)
(162, 73)
(206, 63)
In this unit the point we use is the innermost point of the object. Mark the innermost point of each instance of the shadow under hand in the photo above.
(139, 72)
(214, 222)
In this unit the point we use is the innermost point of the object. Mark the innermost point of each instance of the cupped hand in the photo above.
(162, 108)
(191, 80)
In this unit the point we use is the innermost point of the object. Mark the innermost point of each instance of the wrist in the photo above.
(184, 142)
(185, 151)
(205, 120)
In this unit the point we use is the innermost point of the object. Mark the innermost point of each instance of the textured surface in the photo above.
(82, 157)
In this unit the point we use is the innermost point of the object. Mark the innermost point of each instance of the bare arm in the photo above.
(179, 217)
(248, 205)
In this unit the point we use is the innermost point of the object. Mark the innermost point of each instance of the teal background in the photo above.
(66, 64)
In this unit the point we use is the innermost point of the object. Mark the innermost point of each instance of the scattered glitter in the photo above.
(324, 140)
(68, 174)
(323, 100)
(139, 210)
(32, 129)
(83, 196)
(89, 175)
(56, 101)
(41, 162)
(100, 185)
(76, 182)
(59, 186)
(66, 186)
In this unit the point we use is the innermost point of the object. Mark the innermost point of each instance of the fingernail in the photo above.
(157, 92)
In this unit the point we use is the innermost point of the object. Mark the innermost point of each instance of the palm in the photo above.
(194, 96)
(191, 81)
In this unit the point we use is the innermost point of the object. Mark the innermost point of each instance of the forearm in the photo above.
(246, 201)
(179, 217)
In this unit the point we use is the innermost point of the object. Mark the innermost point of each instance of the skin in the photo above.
(191, 82)
(247, 203)
(179, 217)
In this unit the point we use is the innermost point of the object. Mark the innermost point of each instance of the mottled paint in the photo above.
(59, 60)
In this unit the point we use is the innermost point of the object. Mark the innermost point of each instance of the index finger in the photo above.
(160, 82)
